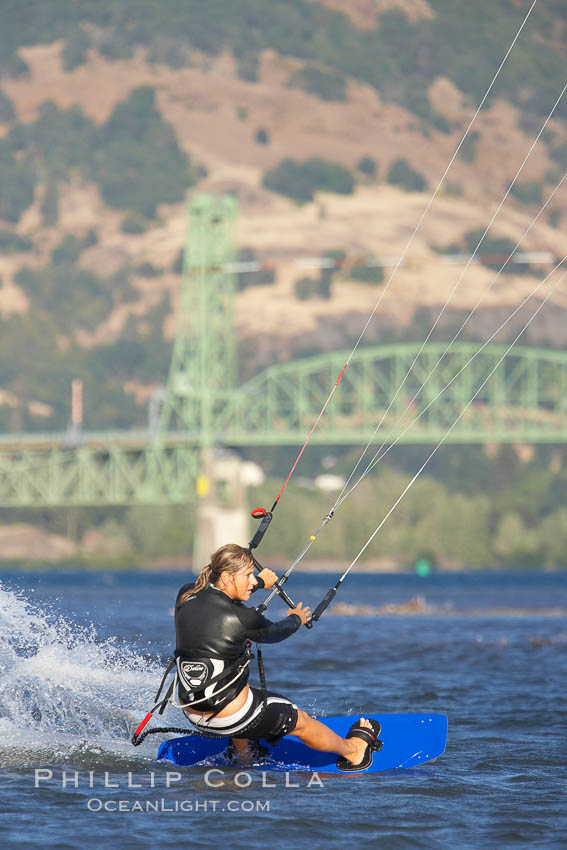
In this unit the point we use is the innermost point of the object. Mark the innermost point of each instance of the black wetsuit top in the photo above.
(212, 625)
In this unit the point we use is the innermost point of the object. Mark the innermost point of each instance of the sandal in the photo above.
(368, 734)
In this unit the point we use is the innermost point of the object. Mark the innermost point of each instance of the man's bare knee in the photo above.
(302, 719)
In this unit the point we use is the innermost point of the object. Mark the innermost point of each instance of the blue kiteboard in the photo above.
(407, 741)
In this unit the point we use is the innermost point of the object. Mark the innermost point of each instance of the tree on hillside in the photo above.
(139, 163)
(59, 141)
(75, 49)
(326, 85)
(7, 112)
(299, 180)
(493, 251)
(403, 175)
(18, 184)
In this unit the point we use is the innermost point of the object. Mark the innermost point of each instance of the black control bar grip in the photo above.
(322, 607)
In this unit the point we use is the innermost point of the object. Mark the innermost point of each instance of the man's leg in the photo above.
(240, 745)
(248, 750)
(319, 737)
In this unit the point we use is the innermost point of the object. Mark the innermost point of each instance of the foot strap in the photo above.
(368, 734)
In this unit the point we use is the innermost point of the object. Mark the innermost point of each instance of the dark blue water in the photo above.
(81, 656)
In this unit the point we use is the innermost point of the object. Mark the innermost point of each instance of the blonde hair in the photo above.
(228, 559)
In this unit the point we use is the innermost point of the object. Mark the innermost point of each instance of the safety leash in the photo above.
(180, 730)
(159, 705)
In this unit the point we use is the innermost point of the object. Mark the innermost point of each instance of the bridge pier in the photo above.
(222, 515)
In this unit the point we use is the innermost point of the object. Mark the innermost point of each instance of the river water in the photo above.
(81, 655)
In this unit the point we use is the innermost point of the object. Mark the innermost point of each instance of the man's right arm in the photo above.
(261, 630)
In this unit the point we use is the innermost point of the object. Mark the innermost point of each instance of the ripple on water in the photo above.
(70, 692)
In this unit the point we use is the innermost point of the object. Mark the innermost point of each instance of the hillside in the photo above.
(108, 117)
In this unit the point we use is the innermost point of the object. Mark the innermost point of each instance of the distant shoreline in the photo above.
(181, 565)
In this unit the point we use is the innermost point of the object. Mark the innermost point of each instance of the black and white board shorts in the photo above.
(269, 716)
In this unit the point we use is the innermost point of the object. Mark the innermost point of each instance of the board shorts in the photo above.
(264, 715)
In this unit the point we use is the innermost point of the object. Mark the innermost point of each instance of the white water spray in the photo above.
(62, 689)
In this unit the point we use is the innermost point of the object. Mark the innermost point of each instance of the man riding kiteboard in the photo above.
(213, 634)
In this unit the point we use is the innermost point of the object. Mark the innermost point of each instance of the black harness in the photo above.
(196, 676)
(199, 684)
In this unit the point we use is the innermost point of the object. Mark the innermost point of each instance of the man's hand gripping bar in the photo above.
(322, 607)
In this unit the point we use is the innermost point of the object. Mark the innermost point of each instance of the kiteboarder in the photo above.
(214, 630)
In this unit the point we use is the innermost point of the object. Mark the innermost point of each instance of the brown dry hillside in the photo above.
(216, 116)
(366, 13)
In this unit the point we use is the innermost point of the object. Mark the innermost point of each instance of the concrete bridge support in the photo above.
(222, 513)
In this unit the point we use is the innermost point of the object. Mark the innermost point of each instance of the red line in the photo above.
(297, 459)
(143, 723)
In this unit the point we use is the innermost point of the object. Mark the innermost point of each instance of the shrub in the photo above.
(90, 238)
(134, 223)
(440, 123)
(262, 137)
(329, 176)
(75, 297)
(15, 66)
(327, 275)
(402, 174)
(18, 182)
(50, 203)
(493, 251)
(325, 84)
(148, 269)
(453, 189)
(304, 288)
(75, 49)
(139, 163)
(7, 112)
(558, 153)
(70, 248)
(49, 148)
(338, 255)
(67, 252)
(119, 285)
(62, 139)
(299, 180)
(247, 67)
(451, 248)
(324, 283)
(114, 46)
(177, 265)
(262, 277)
(467, 151)
(13, 243)
(367, 165)
(168, 51)
(368, 274)
(529, 192)
(288, 178)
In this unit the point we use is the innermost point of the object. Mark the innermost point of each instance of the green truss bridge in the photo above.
(523, 399)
